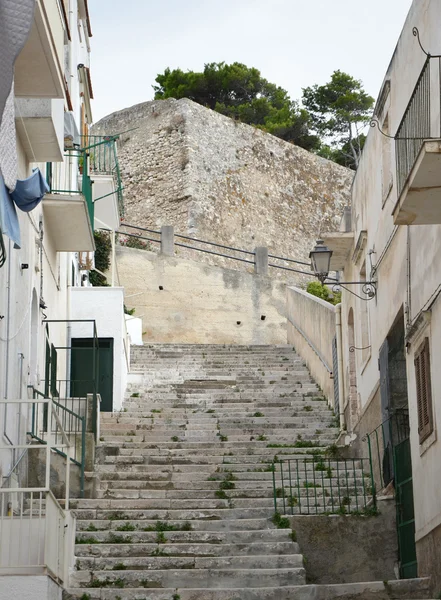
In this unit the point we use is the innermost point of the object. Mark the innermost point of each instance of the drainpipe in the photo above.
(68, 317)
(112, 235)
(339, 335)
(8, 331)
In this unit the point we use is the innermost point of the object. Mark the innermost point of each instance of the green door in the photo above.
(82, 370)
(405, 510)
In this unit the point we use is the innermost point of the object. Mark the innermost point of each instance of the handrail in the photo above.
(62, 422)
(212, 252)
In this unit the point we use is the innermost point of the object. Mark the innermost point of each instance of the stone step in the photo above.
(406, 589)
(286, 548)
(195, 525)
(187, 537)
(217, 578)
(140, 563)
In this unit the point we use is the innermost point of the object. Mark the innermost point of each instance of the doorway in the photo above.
(82, 375)
(397, 459)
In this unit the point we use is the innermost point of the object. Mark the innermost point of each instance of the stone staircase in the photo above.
(183, 508)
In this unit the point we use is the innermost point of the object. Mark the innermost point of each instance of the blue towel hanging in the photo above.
(29, 192)
(8, 216)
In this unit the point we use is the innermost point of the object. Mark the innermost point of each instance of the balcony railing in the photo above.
(103, 160)
(417, 124)
(36, 533)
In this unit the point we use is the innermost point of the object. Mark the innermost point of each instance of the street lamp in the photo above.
(321, 265)
(320, 261)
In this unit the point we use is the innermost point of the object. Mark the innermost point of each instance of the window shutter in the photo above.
(424, 390)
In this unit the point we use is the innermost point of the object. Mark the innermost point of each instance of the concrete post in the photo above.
(261, 260)
(167, 240)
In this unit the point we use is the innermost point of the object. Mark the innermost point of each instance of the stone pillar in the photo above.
(261, 260)
(167, 240)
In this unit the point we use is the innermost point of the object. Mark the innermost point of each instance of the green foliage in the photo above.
(280, 522)
(103, 249)
(240, 92)
(126, 527)
(118, 539)
(322, 291)
(339, 111)
(119, 567)
(160, 538)
(258, 414)
(129, 311)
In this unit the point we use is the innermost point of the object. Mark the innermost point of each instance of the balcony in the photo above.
(418, 152)
(39, 124)
(68, 208)
(39, 67)
(67, 221)
(341, 244)
(107, 186)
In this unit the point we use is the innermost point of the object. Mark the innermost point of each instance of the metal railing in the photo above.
(381, 442)
(98, 156)
(320, 485)
(140, 240)
(36, 533)
(415, 126)
(103, 160)
(68, 423)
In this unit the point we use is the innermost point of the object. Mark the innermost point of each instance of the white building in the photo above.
(48, 309)
(393, 375)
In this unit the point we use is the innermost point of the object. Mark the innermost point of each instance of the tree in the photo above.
(240, 92)
(339, 111)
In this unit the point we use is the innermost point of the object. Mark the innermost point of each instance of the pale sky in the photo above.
(294, 43)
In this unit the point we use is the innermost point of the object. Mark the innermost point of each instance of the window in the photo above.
(424, 390)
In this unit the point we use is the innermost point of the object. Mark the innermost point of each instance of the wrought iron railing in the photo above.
(66, 422)
(321, 485)
(103, 160)
(415, 126)
(381, 442)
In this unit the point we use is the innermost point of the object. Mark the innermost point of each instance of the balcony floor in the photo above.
(420, 201)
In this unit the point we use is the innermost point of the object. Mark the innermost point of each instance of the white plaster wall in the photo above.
(134, 329)
(106, 306)
(29, 587)
(201, 303)
(407, 259)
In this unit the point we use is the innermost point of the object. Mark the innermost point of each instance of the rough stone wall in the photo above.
(220, 180)
(345, 549)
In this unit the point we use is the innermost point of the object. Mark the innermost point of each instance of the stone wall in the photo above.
(346, 549)
(184, 301)
(220, 180)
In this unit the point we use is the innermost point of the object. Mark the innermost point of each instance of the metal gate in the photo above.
(335, 375)
(405, 509)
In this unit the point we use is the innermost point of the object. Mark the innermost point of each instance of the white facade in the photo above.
(387, 245)
(44, 285)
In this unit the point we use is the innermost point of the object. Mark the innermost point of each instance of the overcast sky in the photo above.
(294, 43)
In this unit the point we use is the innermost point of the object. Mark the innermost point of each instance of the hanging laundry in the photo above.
(29, 192)
(8, 216)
